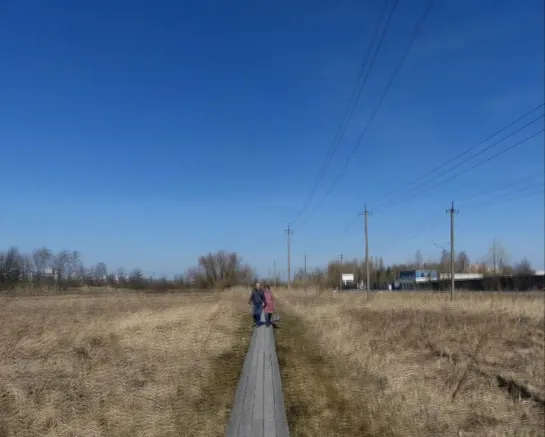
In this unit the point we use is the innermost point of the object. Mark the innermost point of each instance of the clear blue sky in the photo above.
(148, 133)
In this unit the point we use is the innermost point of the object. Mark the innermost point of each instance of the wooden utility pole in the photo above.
(305, 272)
(275, 275)
(341, 274)
(289, 232)
(452, 211)
(365, 215)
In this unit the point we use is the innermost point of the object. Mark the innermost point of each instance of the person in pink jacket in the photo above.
(269, 305)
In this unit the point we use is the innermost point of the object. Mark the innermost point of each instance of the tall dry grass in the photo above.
(413, 364)
(120, 365)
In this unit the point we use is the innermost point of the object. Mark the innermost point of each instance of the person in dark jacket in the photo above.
(257, 302)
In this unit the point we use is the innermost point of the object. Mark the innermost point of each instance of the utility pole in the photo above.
(305, 272)
(275, 276)
(365, 215)
(289, 232)
(451, 211)
(341, 274)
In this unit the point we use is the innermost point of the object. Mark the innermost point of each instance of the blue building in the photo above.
(411, 279)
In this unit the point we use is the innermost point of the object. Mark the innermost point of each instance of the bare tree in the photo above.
(523, 268)
(445, 260)
(220, 270)
(100, 273)
(121, 277)
(333, 276)
(61, 265)
(11, 267)
(74, 265)
(27, 270)
(43, 261)
(418, 259)
(137, 280)
(462, 262)
(497, 257)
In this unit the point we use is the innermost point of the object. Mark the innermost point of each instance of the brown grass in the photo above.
(120, 365)
(410, 364)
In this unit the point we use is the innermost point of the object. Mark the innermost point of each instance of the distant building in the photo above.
(461, 276)
(410, 279)
(415, 279)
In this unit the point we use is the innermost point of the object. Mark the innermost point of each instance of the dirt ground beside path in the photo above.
(119, 366)
(413, 364)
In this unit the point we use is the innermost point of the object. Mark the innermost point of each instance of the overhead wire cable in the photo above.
(398, 67)
(352, 102)
(426, 189)
(465, 152)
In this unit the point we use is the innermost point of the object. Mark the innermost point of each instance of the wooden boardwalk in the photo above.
(258, 409)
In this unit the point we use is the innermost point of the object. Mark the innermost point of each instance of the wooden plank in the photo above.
(245, 425)
(269, 413)
(236, 411)
(281, 421)
(259, 392)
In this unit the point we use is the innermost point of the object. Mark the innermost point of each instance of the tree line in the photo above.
(494, 263)
(45, 270)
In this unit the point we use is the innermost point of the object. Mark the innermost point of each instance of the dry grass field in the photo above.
(399, 365)
(410, 364)
(120, 365)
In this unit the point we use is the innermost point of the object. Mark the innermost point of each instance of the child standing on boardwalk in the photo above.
(269, 305)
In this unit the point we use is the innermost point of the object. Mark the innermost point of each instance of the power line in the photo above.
(484, 161)
(519, 191)
(503, 187)
(476, 195)
(349, 225)
(465, 152)
(432, 226)
(506, 200)
(423, 184)
(352, 101)
(415, 34)
(511, 198)
(501, 152)
(354, 219)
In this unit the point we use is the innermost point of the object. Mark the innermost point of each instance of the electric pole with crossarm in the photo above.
(366, 213)
(452, 212)
(289, 232)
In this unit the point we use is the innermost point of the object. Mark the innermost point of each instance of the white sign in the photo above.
(347, 277)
